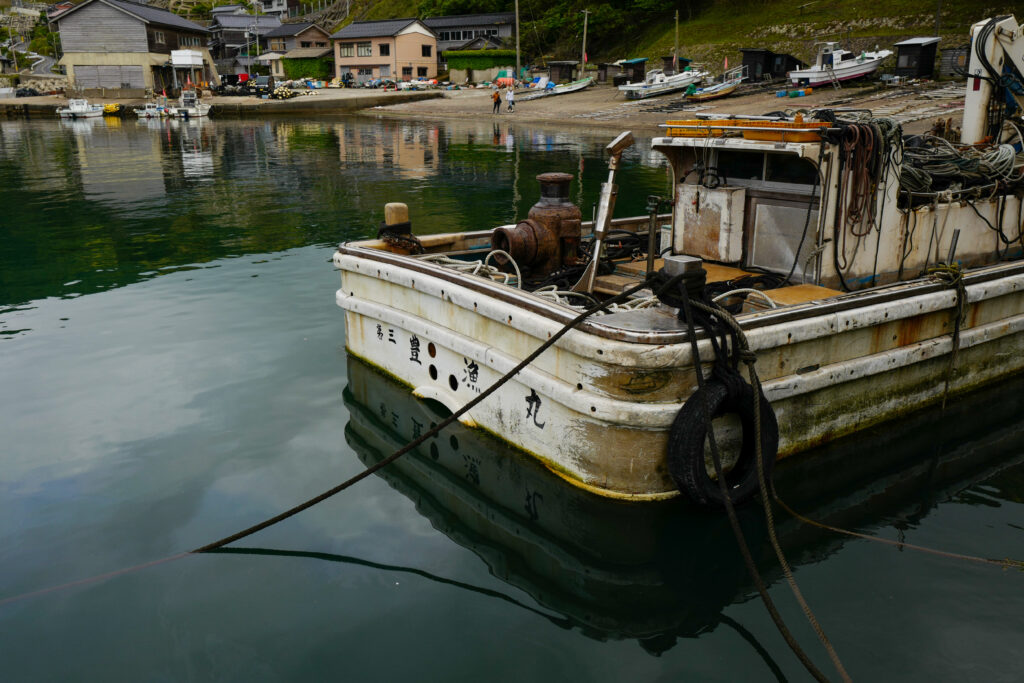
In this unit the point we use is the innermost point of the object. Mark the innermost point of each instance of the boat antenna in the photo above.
(675, 50)
(583, 52)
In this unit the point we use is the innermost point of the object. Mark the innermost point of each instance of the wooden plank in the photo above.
(716, 272)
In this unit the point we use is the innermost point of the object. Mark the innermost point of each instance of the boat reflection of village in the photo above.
(657, 572)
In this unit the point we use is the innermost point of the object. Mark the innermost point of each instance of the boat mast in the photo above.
(675, 50)
(583, 52)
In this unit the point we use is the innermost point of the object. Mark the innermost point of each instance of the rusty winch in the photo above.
(549, 238)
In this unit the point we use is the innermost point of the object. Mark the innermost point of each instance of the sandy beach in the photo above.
(916, 107)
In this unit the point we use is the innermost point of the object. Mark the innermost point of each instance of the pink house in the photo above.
(399, 49)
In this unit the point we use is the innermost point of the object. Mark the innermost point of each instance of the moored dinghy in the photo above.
(852, 328)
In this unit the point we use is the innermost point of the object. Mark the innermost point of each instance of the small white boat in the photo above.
(731, 81)
(657, 82)
(189, 106)
(152, 110)
(833, 63)
(563, 89)
(80, 109)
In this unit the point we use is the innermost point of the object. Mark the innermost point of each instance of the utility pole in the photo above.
(517, 40)
(583, 53)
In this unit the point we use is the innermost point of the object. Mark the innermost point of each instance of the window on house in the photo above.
(364, 50)
(427, 50)
(158, 37)
(385, 50)
(407, 71)
(346, 50)
(305, 43)
(365, 71)
(421, 71)
(320, 43)
(446, 35)
(277, 44)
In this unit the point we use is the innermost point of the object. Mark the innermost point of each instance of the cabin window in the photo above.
(788, 168)
(306, 43)
(364, 50)
(740, 165)
(158, 37)
(346, 49)
(320, 43)
(427, 50)
(385, 49)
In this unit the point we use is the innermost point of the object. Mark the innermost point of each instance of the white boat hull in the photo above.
(843, 72)
(65, 114)
(639, 91)
(597, 410)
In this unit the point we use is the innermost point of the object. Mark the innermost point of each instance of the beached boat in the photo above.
(730, 82)
(834, 64)
(189, 106)
(151, 110)
(562, 89)
(657, 82)
(891, 280)
(80, 109)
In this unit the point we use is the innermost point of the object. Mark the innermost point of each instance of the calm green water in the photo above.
(172, 369)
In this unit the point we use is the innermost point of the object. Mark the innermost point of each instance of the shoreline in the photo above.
(915, 106)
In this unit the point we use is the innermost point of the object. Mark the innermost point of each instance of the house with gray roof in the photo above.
(122, 48)
(396, 49)
(233, 33)
(300, 40)
(454, 32)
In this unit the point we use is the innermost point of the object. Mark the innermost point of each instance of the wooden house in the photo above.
(302, 40)
(123, 48)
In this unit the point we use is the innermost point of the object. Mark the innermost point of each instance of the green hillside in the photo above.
(708, 31)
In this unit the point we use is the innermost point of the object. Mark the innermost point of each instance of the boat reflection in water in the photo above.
(658, 571)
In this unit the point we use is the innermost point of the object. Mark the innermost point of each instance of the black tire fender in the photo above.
(689, 432)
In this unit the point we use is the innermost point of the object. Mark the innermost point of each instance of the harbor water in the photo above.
(173, 369)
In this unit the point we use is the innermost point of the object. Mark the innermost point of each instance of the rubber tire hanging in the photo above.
(688, 435)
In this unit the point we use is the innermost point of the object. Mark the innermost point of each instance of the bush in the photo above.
(479, 59)
(320, 68)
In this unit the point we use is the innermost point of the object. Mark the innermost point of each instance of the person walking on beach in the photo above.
(510, 97)
(496, 98)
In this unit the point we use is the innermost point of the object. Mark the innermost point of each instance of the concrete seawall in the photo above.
(326, 103)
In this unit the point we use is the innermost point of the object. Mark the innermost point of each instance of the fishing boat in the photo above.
(80, 109)
(834, 64)
(189, 106)
(151, 110)
(602, 564)
(657, 82)
(562, 89)
(867, 278)
(730, 81)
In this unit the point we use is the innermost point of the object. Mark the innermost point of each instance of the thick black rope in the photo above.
(730, 509)
(767, 488)
(661, 285)
(441, 425)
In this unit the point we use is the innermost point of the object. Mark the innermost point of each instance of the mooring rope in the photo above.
(749, 358)
(664, 286)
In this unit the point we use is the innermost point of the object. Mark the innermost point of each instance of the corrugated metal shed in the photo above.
(494, 18)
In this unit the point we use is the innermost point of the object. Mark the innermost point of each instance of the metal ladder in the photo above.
(832, 77)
